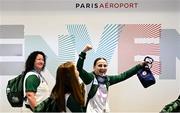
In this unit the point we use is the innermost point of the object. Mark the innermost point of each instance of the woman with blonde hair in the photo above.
(67, 94)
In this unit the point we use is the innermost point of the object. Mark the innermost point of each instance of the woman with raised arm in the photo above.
(98, 94)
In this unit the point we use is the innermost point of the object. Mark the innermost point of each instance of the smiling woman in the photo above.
(35, 86)
(97, 96)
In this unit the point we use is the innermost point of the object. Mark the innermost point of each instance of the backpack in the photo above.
(14, 91)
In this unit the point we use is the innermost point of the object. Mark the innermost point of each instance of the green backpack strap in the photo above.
(107, 83)
(91, 93)
(93, 90)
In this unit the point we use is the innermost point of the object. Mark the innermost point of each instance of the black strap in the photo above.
(28, 106)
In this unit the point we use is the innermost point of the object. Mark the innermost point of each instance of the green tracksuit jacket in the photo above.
(88, 77)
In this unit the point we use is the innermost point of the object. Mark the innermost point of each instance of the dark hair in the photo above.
(29, 65)
(97, 59)
(67, 82)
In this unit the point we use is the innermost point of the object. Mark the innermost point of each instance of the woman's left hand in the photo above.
(145, 63)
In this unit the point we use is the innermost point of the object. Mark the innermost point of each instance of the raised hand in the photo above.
(87, 48)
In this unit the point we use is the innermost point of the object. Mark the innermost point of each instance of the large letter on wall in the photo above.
(170, 49)
(136, 42)
(11, 49)
(107, 44)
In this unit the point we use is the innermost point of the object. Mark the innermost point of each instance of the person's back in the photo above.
(50, 105)
(67, 94)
